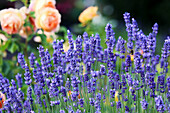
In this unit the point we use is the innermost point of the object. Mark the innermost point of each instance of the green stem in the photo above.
(1, 61)
(1, 58)
(26, 52)
(25, 2)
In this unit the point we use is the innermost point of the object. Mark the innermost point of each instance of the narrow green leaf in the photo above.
(30, 37)
(5, 46)
(13, 47)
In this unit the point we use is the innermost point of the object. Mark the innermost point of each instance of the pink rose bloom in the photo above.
(11, 20)
(48, 19)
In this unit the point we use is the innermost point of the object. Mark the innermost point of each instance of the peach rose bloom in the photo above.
(11, 20)
(3, 99)
(48, 19)
(36, 5)
(88, 14)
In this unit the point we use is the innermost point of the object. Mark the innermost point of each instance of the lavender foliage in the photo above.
(89, 78)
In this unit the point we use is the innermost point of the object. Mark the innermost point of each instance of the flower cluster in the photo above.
(46, 17)
(88, 78)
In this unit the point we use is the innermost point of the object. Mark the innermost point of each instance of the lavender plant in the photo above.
(88, 78)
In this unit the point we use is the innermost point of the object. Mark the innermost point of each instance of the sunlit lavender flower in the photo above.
(14, 86)
(85, 36)
(27, 106)
(63, 91)
(134, 29)
(21, 60)
(27, 74)
(155, 29)
(29, 94)
(144, 104)
(5, 87)
(19, 80)
(126, 17)
(37, 91)
(128, 63)
(75, 82)
(122, 48)
(102, 70)
(151, 44)
(48, 57)
(127, 109)
(138, 62)
(98, 40)
(52, 103)
(44, 103)
(159, 104)
(161, 82)
(7, 105)
(92, 101)
(41, 51)
(32, 60)
(168, 89)
(129, 30)
(109, 31)
(20, 95)
(71, 41)
(81, 102)
(79, 46)
(118, 105)
(62, 111)
(112, 93)
(118, 44)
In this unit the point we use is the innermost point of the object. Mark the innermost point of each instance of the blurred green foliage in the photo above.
(146, 12)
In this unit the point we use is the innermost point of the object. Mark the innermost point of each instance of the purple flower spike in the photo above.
(126, 17)
(159, 104)
(102, 70)
(21, 60)
(134, 29)
(27, 74)
(109, 31)
(19, 80)
(128, 63)
(32, 60)
(155, 29)
(144, 104)
(118, 105)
